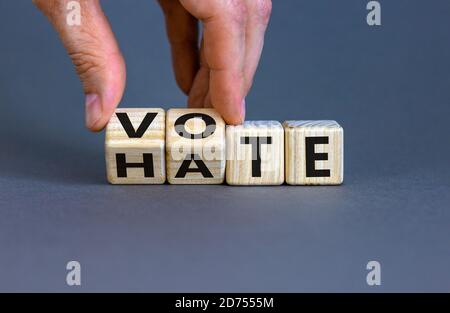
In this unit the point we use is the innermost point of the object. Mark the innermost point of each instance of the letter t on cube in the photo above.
(255, 153)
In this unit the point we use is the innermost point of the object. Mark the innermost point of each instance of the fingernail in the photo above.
(93, 110)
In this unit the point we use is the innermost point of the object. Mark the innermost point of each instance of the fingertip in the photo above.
(233, 114)
(100, 108)
(104, 93)
(93, 111)
(99, 111)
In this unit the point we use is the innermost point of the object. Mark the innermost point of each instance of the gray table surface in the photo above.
(388, 86)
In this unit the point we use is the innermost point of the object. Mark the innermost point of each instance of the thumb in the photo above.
(94, 51)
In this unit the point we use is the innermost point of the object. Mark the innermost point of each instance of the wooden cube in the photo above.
(314, 152)
(135, 146)
(255, 153)
(195, 151)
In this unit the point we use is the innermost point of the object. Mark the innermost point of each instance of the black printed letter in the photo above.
(312, 157)
(122, 165)
(201, 167)
(180, 126)
(131, 132)
(256, 143)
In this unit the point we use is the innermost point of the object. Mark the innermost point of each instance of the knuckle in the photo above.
(266, 10)
(238, 11)
(87, 62)
(85, 49)
(263, 10)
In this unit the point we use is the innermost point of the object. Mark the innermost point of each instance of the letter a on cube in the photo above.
(135, 146)
(314, 152)
(195, 151)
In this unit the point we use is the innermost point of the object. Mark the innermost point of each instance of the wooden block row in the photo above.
(194, 146)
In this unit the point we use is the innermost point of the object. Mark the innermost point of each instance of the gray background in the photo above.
(388, 87)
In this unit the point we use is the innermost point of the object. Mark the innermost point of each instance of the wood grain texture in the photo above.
(202, 152)
(145, 144)
(249, 165)
(297, 156)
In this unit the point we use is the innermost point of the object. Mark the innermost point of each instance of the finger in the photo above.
(95, 54)
(182, 30)
(207, 102)
(259, 15)
(224, 24)
(200, 86)
(199, 89)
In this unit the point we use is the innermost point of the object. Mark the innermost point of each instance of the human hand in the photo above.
(217, 73)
